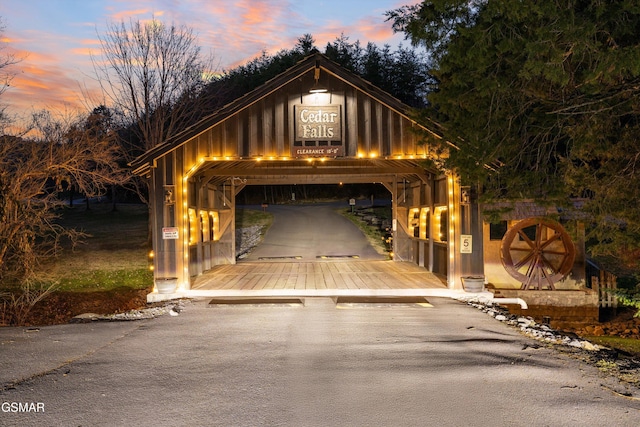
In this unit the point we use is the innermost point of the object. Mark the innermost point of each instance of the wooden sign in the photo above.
(318, 122)
(466, 244)
(321, 151)
(170, 233)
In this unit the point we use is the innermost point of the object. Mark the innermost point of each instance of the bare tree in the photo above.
(32, 171)
(153, 74)
(57, 151)
(6, 61)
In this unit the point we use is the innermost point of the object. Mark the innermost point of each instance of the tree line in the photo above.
(542, 101)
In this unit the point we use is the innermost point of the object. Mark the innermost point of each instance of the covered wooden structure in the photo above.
(316, 123)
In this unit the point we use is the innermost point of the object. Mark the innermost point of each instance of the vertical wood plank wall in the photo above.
(266, 129)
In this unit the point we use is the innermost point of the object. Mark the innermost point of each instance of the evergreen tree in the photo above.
(541, 98)
(403, 73)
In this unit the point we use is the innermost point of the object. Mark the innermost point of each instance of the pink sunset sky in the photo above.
(54, 39)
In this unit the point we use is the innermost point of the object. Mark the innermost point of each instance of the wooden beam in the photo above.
(319, 170)
(239, 188)
(316, 179)
(388, 186)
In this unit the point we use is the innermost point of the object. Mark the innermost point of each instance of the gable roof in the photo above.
(141, 164)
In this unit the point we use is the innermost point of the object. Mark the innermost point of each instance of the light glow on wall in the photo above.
(439, 235)
(452, 219)
(204, 226)
(414, 222)
(214, 219)
(424, 223)
(192, 226)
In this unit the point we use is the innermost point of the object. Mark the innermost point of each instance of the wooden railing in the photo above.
(603, 283)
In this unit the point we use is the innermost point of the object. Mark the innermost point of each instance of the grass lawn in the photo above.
(250, 217)
(107, 273)
(629, 345)
(114, 255)
(373, 233)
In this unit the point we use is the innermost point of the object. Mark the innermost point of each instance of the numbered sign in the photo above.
(466, 244)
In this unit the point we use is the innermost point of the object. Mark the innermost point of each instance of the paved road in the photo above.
(312, 365)
(310, 231)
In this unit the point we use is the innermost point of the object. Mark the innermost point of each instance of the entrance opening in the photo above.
(311, 193)
(314, 223)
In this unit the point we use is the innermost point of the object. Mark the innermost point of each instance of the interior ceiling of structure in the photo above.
(312, 171)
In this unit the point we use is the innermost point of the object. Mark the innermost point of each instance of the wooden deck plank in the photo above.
(229, 281)
(318, 275)
(249, 281)
(346, 281)
(329, 280)
(301, 280)
(356, 280)
(320, 281)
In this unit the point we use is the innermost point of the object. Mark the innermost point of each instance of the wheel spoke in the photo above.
(549, 281)
(526, 238)
(553, 238)
(555, 252)
(529, 275)
(524, 260)
(538, 234)
(535, 277)
(545, 262)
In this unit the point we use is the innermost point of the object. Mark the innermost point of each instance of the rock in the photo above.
(85, 318)
(575, 343)
(588, 346)
(525, 321)
(541, 332)
(246, 239)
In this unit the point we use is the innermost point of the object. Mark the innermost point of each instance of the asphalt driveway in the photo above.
(307, 232)
(301, 365)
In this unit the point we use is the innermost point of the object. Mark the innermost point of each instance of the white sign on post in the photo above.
(466, 244)
(170, 233)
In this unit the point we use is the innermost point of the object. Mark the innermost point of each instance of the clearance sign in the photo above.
(316, 127)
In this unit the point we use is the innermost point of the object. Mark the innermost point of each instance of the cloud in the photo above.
(374, 30)
(42, 81)
(37, 87)
(88, 47)
(125, 15)
(56, 52)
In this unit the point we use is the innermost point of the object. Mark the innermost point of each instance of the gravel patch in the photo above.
(246, 239)
(172, 308)
(528, 325)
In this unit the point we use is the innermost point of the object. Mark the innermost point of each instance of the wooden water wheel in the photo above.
(537, 252)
